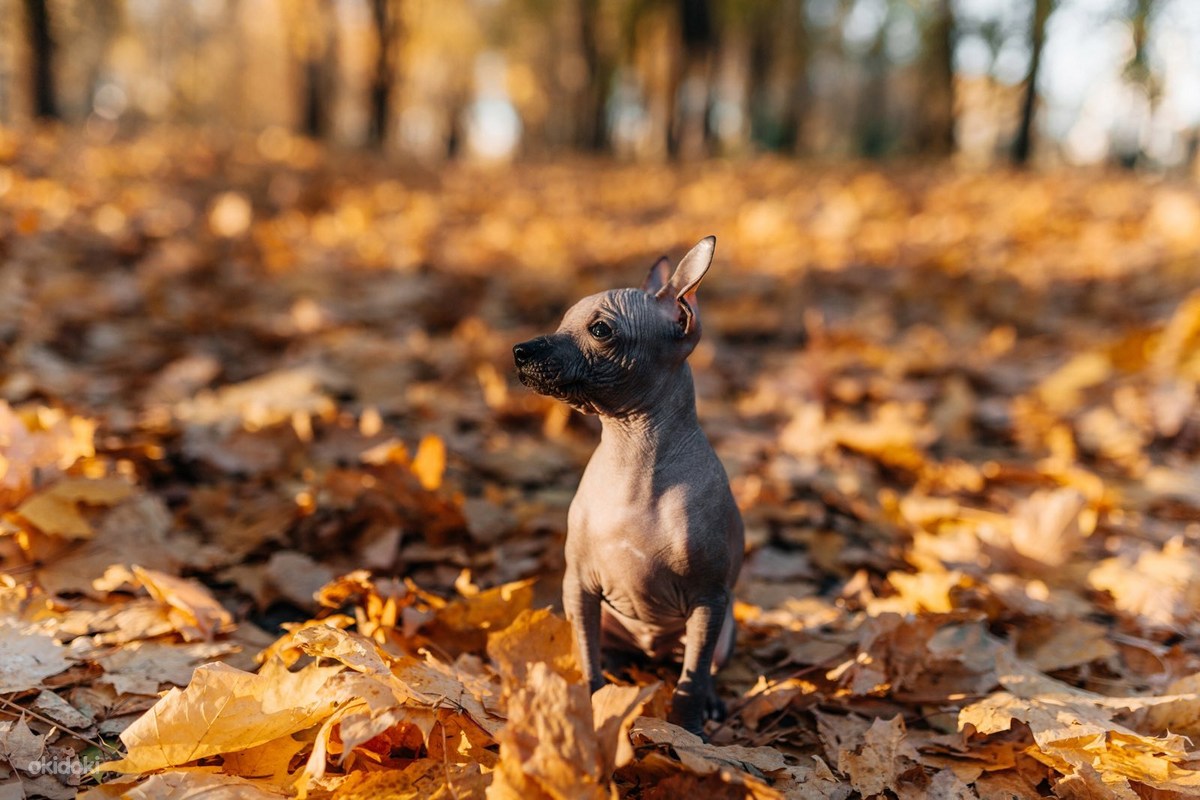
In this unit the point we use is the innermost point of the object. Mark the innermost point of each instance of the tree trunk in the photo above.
(45, 105)
(315, 43)
(385, 18)
(874, 133)
(688, 131)
(592, 127)
(1023, 143)
(1128, 149)
(795, 110)
(935, 130)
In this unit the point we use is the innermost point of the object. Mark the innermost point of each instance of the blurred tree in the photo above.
(935, 128)
(690, 91)
(875, 135)
(313, 33)
(1023, 142)
(385, 18)
(599, 60)
(41, 73)
(1140, 77)
(777, 76)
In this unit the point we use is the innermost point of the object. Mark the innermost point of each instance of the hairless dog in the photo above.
(654, 538)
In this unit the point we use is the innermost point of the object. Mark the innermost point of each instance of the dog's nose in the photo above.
(521, 354)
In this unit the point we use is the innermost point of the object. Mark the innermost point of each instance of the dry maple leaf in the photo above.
(876, 764)
(1159, 588)
(38, 442)
(548, 749)
(193, 611)
(1074, 731)
(224, 710)
(535, 637)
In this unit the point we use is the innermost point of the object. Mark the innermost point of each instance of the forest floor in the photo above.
(260, 440)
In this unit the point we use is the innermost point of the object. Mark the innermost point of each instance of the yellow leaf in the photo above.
(356, 652)
(535, 637)
(194, 611)
(1062, 390)
(224, 710)
(614, 708)
(490, 610)
(56, 510)
(196, 784)
(269, 760)
(549, 749)
(1074, 731)
(1161, 588)
(429, 464)
(426, 779)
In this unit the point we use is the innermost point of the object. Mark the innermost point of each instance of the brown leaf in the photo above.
(704, 758)
(20, 746)
(30, 656)
(876, 764)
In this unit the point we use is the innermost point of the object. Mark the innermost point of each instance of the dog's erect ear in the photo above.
(680, 291)
(657, 278)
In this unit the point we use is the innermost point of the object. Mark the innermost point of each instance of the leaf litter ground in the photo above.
(277, 521)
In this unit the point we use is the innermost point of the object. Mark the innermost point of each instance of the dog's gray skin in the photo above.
(654, 538)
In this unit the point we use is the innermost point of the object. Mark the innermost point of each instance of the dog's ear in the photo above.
(657, 278)
(680, 290)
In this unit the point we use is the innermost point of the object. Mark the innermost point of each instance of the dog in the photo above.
(654, 537)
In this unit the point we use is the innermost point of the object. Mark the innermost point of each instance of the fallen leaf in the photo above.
(1075, 733)
(202, 785)
(193, 611)
(535, 637)
(548, 749)
(55, 511)
(30, 656)
(876, 764)
(614, 709)
(430, 462)
(20, 746)
(142, 667)
(1160, 588)
(704, 758)
(223, 710)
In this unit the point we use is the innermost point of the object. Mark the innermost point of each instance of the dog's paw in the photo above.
(715, 708)
(690, 711)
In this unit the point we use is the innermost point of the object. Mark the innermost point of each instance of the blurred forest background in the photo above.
(1055, 81)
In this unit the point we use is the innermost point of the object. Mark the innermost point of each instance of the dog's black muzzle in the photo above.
(531, 352)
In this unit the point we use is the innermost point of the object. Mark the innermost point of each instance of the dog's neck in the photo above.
(657, 425)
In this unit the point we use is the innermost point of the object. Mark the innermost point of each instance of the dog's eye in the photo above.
(600, 329)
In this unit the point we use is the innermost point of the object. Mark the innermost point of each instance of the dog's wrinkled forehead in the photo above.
(629, 309)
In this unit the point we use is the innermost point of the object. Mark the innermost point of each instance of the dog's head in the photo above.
(615, 349)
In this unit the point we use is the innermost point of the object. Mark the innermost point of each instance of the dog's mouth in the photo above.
(553, 386)
(543, 383)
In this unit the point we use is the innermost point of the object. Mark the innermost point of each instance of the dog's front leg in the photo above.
(583, 610)
(695, 693)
